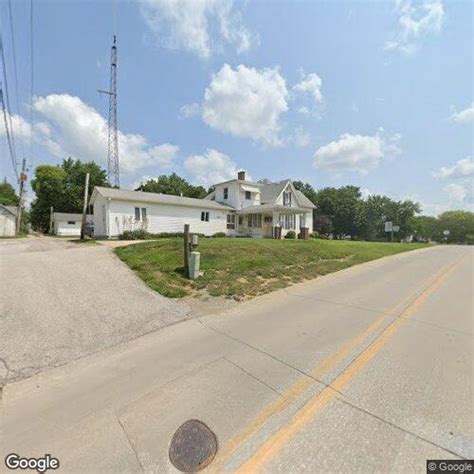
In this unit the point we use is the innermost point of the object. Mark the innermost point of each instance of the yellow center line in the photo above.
(292, 393)
(280, 438)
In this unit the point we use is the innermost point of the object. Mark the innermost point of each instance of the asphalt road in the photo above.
(366, 370)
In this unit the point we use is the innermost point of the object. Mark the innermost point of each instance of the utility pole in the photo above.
(51, 211)
(84, 208)
(113, 169)
(22, 180)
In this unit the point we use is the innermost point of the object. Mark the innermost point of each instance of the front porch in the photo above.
(271, 222)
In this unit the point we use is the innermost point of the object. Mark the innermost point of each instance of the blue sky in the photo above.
(376, 94)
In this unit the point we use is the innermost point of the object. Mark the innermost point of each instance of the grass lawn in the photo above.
(242, 268)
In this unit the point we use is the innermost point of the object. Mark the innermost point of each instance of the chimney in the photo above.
(241, 175)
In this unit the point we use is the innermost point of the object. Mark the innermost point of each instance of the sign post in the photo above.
(389, 228)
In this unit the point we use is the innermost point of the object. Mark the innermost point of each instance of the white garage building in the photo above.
(118, 210)
(7, 220)
(67, 224)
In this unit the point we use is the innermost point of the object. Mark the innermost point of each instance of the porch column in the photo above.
(276, 225)
(304, 230)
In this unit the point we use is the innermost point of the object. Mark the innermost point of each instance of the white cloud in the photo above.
(464, 116)
(357, 152)
(189, 110)
(456, 192)
(302, 138)
(201, 27)
(211, 168)
(365, 193)
(74, 128)
(461, 169)
(414, 22)
(247, 103)
(310, 84)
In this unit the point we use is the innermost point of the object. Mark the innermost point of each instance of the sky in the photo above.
(377, 94)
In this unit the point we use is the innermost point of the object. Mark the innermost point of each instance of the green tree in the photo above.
(62, 187)
(460, 225)
(307, 190)
(424, 227)
(8, 196)
(173, 184)
(341, 205)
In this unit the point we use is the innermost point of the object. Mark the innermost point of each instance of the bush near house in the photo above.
(244, 268)
(291, 234)
(138, 234)
(219, 234)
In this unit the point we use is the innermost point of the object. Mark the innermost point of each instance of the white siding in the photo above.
(164, 218)
(7, 224)
(100, 228)
(63, 228)
(236, 195)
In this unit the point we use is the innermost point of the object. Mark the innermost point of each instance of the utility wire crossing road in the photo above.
(369, 369)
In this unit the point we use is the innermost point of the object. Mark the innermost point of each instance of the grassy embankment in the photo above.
(242, 268)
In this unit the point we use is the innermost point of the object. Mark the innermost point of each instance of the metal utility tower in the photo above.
(113, 169)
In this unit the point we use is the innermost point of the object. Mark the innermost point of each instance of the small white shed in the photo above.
(7, 220)
(68, 224)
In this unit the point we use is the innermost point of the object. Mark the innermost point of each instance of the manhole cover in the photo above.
(193, 446)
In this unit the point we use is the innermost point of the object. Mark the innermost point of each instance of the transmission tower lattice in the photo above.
(113, 168)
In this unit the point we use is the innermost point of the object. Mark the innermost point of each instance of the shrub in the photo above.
(470, 239)
(167, 235)
(315, 235)
(291, 234)
(219, 234)
(138, 234)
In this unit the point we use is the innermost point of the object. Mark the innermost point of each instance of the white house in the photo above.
(67, 224)
(7, 220)
(236, 207)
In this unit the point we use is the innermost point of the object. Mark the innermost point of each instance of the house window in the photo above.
(140, 214)
(71, 222)
(205, 216)
(287, 221)
(248, 195)
(231, 221)
(268, 219)
(254, 220)
(241, 220)
(226, 193)
(287, 198)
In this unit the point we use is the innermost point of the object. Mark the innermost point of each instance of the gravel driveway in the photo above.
(60, 301)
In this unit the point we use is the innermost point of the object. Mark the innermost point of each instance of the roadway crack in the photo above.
(275, 358)
(400, 428)
(132, 446)
(246, 372)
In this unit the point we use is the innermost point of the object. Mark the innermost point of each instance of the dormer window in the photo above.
(287, 198)
(226, 193)
(248, 195)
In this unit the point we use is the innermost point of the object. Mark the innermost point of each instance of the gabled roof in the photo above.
(270, 192)
(11, 209)
(157, 198)
(303, 200)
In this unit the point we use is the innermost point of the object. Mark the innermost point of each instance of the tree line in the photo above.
(340, 212)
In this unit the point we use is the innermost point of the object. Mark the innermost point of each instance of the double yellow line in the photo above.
(275, 443)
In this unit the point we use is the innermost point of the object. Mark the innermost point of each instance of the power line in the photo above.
(7, 131)
(32, 79)
(5, 102)
(15, 69)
